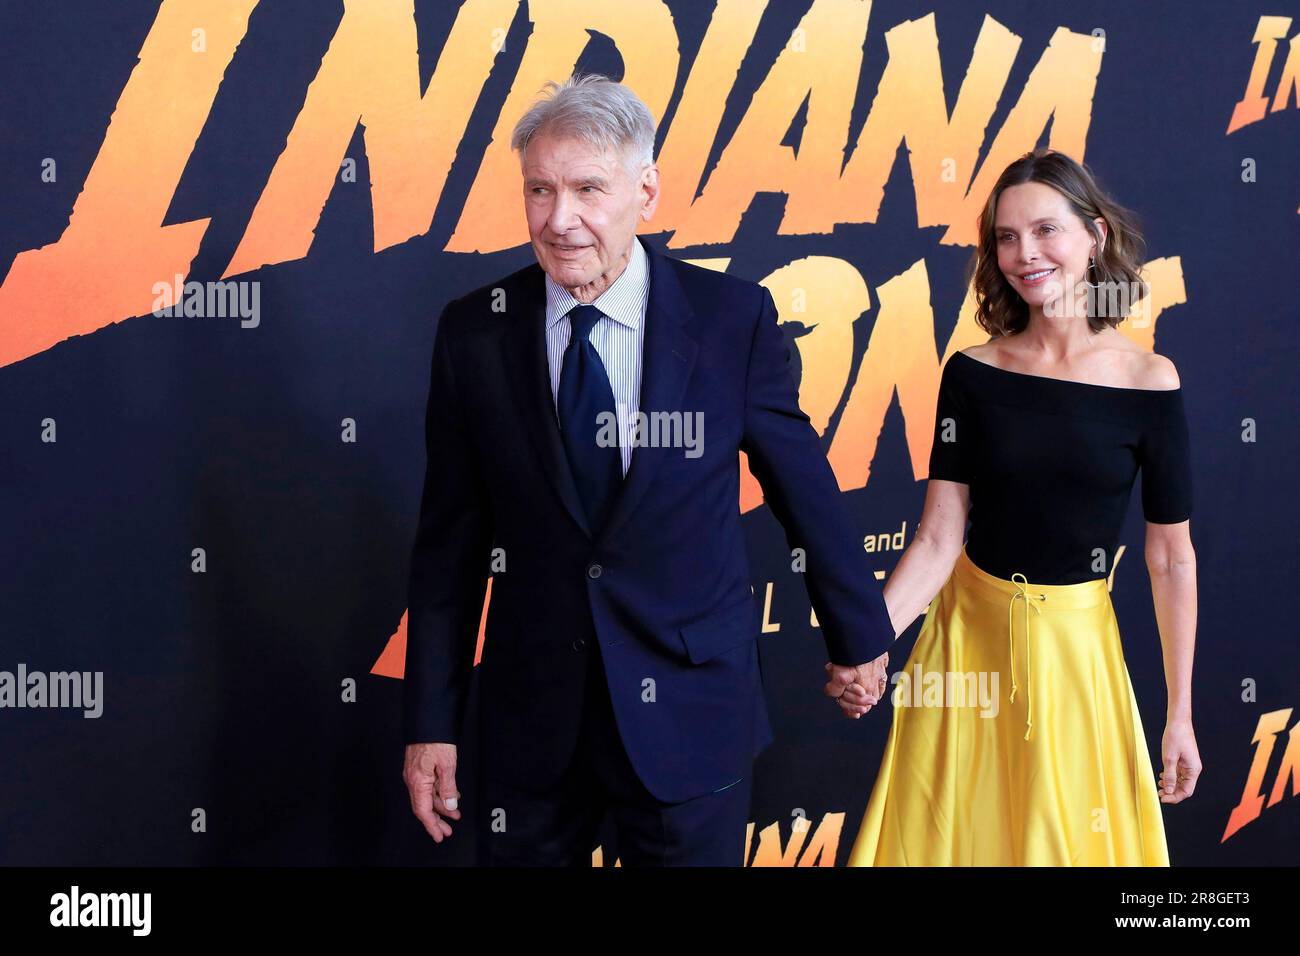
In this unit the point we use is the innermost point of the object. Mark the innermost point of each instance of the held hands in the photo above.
(429, 771)
(1182, 762)
(858, 689)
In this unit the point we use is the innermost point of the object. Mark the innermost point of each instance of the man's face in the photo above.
(583, 207)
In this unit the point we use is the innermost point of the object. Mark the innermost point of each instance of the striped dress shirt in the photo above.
(618, 337)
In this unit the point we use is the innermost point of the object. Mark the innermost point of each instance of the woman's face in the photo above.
(1043, 247)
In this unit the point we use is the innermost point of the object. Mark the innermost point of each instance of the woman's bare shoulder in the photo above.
(1158, 373)
(1143, 368)
(984, 351)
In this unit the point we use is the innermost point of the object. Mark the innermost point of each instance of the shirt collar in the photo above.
(624, 300)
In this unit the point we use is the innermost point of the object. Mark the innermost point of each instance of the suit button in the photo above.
(594, 571)
(579, 644)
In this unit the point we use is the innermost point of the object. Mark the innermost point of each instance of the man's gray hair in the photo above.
(595, 109)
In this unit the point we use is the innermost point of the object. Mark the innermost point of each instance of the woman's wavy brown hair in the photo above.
(999, 308)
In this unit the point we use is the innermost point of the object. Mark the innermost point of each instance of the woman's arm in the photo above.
(928, 560)
(922, 570)
(1171, 564)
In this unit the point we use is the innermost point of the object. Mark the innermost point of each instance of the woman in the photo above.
(1039, 435)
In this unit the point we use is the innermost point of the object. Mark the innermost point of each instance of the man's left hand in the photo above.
(857, 689)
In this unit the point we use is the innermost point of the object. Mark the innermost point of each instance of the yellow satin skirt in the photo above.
(1016, 739)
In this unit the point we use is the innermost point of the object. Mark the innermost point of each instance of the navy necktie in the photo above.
(585, 393)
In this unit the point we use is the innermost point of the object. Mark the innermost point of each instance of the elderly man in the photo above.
(620, 667)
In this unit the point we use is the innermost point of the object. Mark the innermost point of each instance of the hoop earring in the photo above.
(1092, 267)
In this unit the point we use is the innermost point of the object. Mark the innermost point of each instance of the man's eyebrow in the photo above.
(598, 181)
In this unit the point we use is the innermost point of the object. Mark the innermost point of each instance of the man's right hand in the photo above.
(429, 772)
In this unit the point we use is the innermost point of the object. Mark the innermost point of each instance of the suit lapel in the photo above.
(668, 356)
(669, 352)
(530, 378)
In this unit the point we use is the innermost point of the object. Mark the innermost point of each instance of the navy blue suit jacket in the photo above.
(664, 586)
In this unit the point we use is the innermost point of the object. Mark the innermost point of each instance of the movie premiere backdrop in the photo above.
(229, 227)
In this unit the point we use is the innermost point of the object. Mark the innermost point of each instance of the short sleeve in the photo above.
(952, 452)
(1166, 462)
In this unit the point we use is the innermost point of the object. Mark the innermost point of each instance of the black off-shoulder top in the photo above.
(1051, 464)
